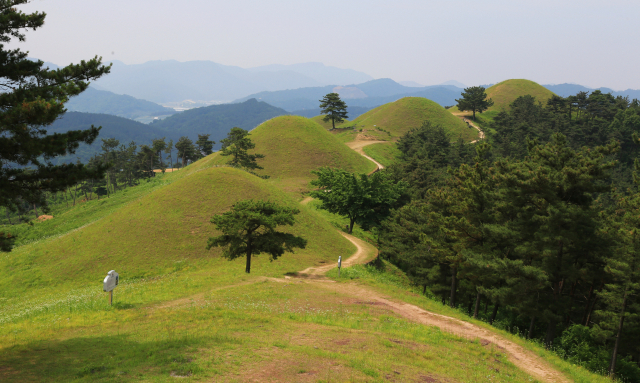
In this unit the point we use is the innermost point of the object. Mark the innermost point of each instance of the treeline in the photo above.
(536, 229)
(126, 166)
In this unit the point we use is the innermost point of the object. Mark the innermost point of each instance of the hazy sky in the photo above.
(593, 43)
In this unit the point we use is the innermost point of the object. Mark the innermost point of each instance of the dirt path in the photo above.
(364, 252)
(358, 145)
(524, 359)
(465, 118)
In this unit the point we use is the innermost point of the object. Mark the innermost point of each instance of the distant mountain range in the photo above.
(173, 81)
(368, 95)
(101, 101)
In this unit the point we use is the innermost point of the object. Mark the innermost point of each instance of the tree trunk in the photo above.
(494, 313)
(477, 308)
(351, 223)
(74, 195)
(586, 310)
(35, 209)
(551, 333)
(530, 333)
(333, 121)
(474, 115)
(424, 289)
(612, 367)
(454, 283)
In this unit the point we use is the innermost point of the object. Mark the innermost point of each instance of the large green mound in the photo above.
(162, 231)
(293, 146)
(328, 125)
(506, 92)
(392, 120)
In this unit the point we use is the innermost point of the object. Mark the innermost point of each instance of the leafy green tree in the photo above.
(169, 150)
(186, 150)
(334, 109)
(474, 99)
(249, 228)
(33, 98)
(365, 200)
(237, 145)
(159, 145)
(204, 145)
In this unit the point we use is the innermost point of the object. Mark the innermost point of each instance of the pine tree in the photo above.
(333, 108)
(33, 97)
(474, 99)
(237, 145)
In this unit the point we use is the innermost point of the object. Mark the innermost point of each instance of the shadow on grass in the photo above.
(101, 358)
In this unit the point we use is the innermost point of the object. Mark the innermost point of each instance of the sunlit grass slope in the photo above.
(147, 237)
(329, 125)
(392, 120)
(385, 153)
(294, 146)
(506, 92)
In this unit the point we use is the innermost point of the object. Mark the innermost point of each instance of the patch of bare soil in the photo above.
(362, 255)
(44, 217)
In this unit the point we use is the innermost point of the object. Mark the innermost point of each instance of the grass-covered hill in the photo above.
(392, 120)
(328, 125)
(217, 120)
(506, 92)
(100, 101)
(165, 229)
(294, 146)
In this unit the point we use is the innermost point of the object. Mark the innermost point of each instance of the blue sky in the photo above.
(593, 43)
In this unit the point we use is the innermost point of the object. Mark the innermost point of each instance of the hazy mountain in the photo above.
(369, 94)
(411, 84)
(173, 81)
(455, 83)
(122, 129)
(324, 75)
(566, 90)
(217, 120)
(100, 101)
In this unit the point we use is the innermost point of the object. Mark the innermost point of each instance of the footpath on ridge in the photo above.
(524, 359)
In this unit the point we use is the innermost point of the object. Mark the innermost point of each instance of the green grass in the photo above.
(506, 92)
(387, 154)
(294, 146)
(328, 125)
(391, 121)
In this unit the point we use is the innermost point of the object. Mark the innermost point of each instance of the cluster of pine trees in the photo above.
(535, 229)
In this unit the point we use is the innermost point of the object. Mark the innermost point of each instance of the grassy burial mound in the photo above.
(392, 120)
(506, 92)
(162, 232)
(328, 125)
(294, 146)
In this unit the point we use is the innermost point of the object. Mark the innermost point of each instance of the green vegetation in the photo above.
(364, 199)
(474, 99)
(249, 229)
(392, 120)
(294, 146)
(325, 124)
(237, 144)
(333, 109)
(385, 153)
(506, 92)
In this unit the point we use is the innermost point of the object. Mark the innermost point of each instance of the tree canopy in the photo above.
(334, 109)
(32, 98)
(237, 145)
(474, 99)
(365, 200)
(249, 228)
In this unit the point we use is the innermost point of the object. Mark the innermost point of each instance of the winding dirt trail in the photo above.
(358, 145)
(524, 359)
(465, 118)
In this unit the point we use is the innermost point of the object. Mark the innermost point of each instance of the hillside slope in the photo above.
(294, 146)
(146, 238)
(506, 92)
(392, 120)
